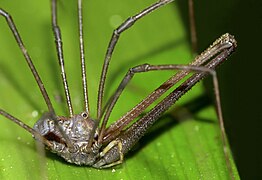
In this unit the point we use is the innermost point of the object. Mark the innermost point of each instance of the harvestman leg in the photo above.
(130, 136)
(115, 128)
(27, 57)
(40, 84)
(124, 82)
(142, 69)
(114, 39)
(82, 55)
(59, 49)
(51, 112)
(36, 134)
(126, 79)
(132, 71)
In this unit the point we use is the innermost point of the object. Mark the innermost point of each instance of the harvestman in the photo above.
(83, 140)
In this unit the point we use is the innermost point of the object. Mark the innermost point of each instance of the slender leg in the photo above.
(39, 83)
(132, 71)
(192, 25)
(219, 45)
(114, 39)
(82, 55)
(130, 136)
(36, 134)
(126, 25)
(30, 64)
(59, 48)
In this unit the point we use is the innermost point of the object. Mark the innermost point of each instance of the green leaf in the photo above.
(190, 149)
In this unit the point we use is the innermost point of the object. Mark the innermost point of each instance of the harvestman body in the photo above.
(82, 140)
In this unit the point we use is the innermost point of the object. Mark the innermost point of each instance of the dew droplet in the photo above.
(34, 113)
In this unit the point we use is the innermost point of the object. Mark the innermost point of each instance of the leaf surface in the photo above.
(190, 149)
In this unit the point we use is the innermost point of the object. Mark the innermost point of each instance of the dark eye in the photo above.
(84, 115)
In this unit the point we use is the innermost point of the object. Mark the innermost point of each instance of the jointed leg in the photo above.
(59, 48)
(58, 41)
(114, 39)
(37, 78)
(82, 55)
(30, 64)
(122, 123)
(223, 43)
(131, 135)
(36, 134)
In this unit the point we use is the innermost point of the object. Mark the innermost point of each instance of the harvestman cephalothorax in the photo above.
(83, 140)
